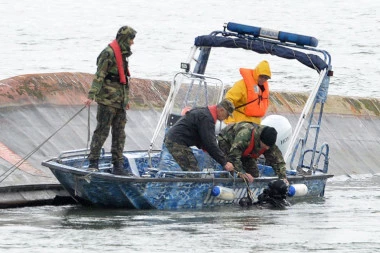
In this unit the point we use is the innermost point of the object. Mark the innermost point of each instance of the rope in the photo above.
(250, 193)
(15, 166)
(88, 134)
(88, 127)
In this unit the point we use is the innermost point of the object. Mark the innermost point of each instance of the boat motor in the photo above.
(283, 128)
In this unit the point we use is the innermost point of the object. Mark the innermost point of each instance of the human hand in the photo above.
(88, 102)
(229, 166)
(127, 107)
(286, 181)
(246, 176)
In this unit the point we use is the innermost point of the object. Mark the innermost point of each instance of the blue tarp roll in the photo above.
(262, 47)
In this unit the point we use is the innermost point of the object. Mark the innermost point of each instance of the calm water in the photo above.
(345, 221)
(42, 36)
(54, 36)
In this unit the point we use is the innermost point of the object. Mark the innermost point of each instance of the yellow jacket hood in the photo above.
(262, 69)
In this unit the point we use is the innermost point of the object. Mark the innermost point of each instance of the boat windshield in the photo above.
(194, 90)
(188, 90)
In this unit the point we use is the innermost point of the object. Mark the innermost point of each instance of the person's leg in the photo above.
(183, 155)
(104, 118)
(118, 142)
(118, 135)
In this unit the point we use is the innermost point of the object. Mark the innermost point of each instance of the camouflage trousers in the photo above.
(249, 164)
(183, 155)
(108, 117)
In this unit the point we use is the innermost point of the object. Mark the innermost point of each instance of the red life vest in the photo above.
(248, 151)
(119, 61)
(260, 98)
(212, 109)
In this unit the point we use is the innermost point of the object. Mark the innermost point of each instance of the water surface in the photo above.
(56, 36)
(344, 221)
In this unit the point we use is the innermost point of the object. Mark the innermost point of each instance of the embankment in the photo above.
(33, 107)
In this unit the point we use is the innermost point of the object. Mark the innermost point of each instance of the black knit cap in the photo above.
(268, 136)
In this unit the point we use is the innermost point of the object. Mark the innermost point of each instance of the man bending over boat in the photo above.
(244, 142)
(197, 128)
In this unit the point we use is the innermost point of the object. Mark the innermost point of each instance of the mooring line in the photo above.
(8, 172)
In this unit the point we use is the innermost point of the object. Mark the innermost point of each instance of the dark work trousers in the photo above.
(109, 117)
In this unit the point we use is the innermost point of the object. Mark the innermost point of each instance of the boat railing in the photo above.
(322, 152)
(309, 105)
(300, 144)
(203, 174)
(78, 152)
(325, 154)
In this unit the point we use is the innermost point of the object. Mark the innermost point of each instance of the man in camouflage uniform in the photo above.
(110, 89)
(244, 142)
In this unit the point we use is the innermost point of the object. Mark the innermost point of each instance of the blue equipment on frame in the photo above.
(301, 40)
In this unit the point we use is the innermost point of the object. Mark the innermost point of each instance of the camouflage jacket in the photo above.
(106, 88)
(238, 137)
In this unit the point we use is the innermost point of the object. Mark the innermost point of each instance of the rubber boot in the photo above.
(93, 165)
(118, 169)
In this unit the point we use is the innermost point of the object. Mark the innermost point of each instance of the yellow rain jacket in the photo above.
(251, 100)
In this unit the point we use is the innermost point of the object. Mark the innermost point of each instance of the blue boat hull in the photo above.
(107, 190)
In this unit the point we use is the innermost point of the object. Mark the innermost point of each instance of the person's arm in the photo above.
(104, 62)
(239, 145)
(217, 154)
(235, 153)
(274, 158)
(235, 93)
(207, 135)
